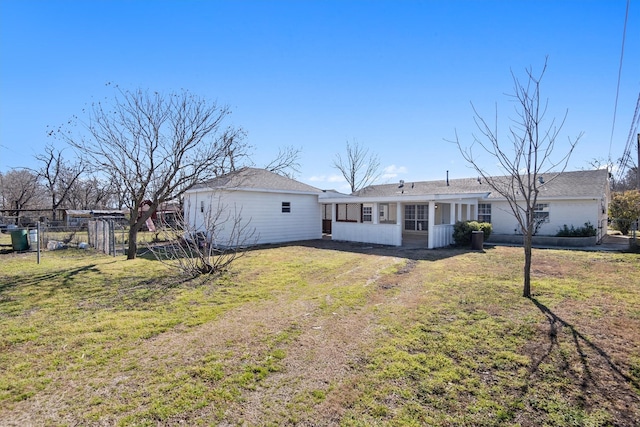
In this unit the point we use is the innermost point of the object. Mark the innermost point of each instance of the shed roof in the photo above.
(258, 180)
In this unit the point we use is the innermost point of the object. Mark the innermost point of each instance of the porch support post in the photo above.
(432, 221)
(453, 213)
(334, 215)
(399, 222)
(375, 213)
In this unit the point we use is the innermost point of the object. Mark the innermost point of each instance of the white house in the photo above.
(423, 213)
(419, 213)
(275, 208)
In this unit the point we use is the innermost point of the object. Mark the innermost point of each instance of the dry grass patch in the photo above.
(329, 335)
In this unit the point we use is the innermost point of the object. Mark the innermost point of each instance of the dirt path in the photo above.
(326, 347)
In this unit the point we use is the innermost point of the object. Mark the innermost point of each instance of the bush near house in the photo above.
(462, 231)
(588, 230)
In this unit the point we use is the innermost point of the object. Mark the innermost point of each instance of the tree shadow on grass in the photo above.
(64, 278)
(408, 252)
(590, 368)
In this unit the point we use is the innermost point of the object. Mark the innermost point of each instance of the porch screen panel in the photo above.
(326, 211)
(422, 215)
(410, 217)
(416, 217)
(393, 213)
(348, 212)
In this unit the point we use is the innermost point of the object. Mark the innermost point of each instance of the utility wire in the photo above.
(615, 107)
(626, 156)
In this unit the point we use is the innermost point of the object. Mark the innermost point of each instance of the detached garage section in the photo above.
(270, 207)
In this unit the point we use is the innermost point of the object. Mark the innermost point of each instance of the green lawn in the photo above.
(322, 334)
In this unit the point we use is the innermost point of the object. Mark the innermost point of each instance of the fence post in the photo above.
(38, 241)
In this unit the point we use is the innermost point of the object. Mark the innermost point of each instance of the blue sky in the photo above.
(396, 76)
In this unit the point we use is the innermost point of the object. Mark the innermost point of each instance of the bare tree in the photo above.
(359, 168)
(156, 147)
(20, 190)
(205, 251)
(59, 176)
(524, 158)
(92, 193)
(286, 162)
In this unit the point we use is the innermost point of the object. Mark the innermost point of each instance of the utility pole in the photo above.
(638, 166)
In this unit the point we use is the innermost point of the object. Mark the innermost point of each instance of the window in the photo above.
(484, 212)
(367, 213)
(415, 217)
(286, 207)
(541, 212)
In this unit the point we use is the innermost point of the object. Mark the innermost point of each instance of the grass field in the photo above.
(322, 334)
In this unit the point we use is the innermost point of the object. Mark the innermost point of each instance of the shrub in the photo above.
(462, 231)
(587, 230)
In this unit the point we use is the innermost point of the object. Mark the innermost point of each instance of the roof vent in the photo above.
(541, 180)
(401, 183)
(479, 180)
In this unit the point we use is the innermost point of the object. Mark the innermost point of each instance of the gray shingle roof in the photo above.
(578, 184)
(257, 179)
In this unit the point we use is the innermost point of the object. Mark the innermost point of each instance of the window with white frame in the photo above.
(367, 213)
(541, 212)
(484, 212)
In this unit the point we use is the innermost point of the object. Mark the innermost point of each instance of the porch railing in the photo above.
(442, 235)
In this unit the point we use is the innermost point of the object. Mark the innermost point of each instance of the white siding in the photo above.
(262, 212)
(381, 234)
(561, 212)
(442, 235)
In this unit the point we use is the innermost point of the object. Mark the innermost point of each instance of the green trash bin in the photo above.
(20, 240)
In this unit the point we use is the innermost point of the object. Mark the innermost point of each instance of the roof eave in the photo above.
(254, 190)
(404, 198)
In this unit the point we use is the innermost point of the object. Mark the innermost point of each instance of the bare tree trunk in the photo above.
(133, 242)
(526, 290)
